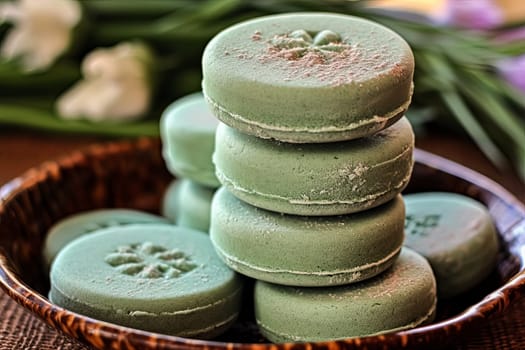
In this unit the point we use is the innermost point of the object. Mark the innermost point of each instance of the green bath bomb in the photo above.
(158, 278)
(315, 179)
(457, 236)
(308, 77)
(188, 204)
(187, 130)
(402, 297)
(83, 223)
(306, 250)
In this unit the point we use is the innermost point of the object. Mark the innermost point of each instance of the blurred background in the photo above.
(77, 72)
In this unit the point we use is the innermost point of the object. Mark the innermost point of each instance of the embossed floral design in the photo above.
(300, 43)
(324, 56)
(147, 260)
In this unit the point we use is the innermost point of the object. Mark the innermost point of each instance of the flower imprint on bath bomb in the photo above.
(300, 43)
(147, 260)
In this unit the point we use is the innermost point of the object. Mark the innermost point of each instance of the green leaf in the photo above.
(464, 116)
(42, 119)
(118, 9)
(13, 80)
(497, 111)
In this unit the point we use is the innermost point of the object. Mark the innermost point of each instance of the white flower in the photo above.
(116, 86)
(473, 14)
(42, 30)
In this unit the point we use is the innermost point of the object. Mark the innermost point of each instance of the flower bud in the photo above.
(42, 31)
(117, 85)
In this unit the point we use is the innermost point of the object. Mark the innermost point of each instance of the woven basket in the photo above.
(132, 174)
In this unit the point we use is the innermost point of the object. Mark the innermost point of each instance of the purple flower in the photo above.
(472, 14)
(513, 70)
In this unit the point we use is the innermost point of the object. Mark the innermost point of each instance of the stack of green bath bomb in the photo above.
(313, 152)
(188, 140)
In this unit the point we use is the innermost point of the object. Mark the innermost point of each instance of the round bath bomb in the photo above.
(82, 223)
(158, 278)
(308, 77)
(306, 250)
(315, 179)
(402, 297)
(187, 130)
(188, 204)
(457, 236)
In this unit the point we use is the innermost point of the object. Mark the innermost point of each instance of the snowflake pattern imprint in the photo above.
(147, 260)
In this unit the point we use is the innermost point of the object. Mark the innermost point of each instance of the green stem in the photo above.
(134, 8)
(497, 112)
(57, 77)
(44, 120)
(515, 48)
(37, 102)
(173, 26)
(463, 115)
(512, 93)
(497, 86)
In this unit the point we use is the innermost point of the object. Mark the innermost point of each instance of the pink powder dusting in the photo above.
(321, 64)
(239, 53)
(311, 61)
(256, 36)
(338, 63)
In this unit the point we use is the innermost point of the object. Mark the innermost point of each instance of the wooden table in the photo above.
(21, 149)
